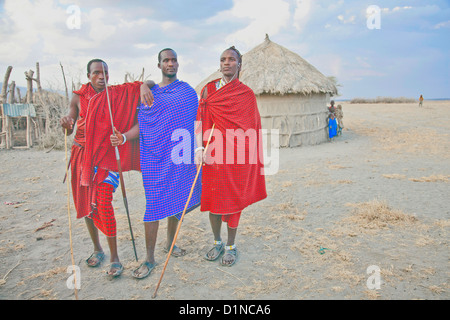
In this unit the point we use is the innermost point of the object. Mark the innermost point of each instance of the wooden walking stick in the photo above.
(70, 220)
(182, 216)
(119, 167)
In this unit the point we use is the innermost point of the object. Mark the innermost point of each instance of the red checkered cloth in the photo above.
(99, 153)
(81, 194)
(103, 213)
(230, 186)
(232, 219)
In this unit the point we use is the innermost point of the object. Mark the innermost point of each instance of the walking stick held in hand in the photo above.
(182, 216)
(70, 220)
(119, 166)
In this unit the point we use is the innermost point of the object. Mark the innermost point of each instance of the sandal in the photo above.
(150, 267)
(176, 254)
(99, 256)
(218, 248)
(119, 269)
(230, 251)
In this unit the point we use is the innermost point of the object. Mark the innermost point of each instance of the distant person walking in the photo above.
(421, 101)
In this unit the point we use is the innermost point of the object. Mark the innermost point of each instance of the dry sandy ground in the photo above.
(376, 196)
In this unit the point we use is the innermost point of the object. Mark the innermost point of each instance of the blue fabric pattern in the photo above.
(166, 133)
(112, 178)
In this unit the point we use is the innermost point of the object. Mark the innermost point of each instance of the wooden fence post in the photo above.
(29, 136)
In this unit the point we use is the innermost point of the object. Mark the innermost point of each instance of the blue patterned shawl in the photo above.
(166, 133)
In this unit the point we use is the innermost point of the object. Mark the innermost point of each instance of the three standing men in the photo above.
(168, 171)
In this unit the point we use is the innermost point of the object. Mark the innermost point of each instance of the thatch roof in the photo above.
(273, 69)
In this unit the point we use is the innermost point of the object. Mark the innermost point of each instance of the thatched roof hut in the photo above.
(292, 95)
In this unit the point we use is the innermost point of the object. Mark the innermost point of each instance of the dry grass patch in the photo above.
(287, 184)
(424, 240)
(411, 141)
(267, 232)
(315, 183)
(288, 212)
(436, 289)
(442, 223)
(49, 273)
(395, 176)
(336, 167)
(424, 141)
(432, 178)
(372, 294)
(370, 217)
(344, 182)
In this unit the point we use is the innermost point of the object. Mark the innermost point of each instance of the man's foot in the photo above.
(115, 270)
(230, 256)
(176, 252)
(95, 259)
(144, 270)
(215, 252)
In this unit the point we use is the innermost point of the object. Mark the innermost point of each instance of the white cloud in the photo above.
(401, 8)
(264, 16)
(395, 9)
(351, 19)
(329, 64)
(167, 25)
(445, 24)
(302, 13)
(335, 4)
(26, 21)
(99, 27)
(144, 46)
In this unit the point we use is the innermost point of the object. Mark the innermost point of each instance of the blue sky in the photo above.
(407, 56)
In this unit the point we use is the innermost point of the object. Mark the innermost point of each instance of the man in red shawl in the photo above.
(233, 168)
(93, 163)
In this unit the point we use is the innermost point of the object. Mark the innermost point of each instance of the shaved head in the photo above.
(166, 49)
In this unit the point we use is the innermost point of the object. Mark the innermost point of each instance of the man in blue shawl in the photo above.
(166, 136)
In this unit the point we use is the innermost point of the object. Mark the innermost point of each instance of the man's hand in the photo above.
(117, 138)
(146, 93)
(67, 123)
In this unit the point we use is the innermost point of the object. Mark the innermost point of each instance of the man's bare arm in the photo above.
(146, 93)
(68, 121)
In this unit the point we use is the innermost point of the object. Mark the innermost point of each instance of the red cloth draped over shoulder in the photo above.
(232, 185)
(86, 92)
(98, 150)
(81, 193)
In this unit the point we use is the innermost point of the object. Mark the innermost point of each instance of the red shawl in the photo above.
(98, 150)
(81, 194)
(231, 186)
(86, 92)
